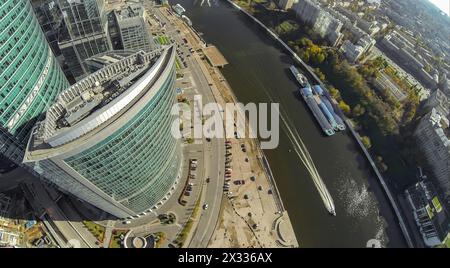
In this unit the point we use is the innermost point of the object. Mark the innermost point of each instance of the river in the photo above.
(258, 72)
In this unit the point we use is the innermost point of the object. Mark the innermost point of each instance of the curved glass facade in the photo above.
(138, 163)
(30, 76)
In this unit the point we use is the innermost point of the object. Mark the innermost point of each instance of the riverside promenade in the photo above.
(251, 215)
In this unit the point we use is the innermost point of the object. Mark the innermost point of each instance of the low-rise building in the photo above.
(429, 213)
(351, 52)
(9, 238)
(321, 21)
(403, 51)
(366, 42)
(383, 81)
(439, 101)
(356, 22)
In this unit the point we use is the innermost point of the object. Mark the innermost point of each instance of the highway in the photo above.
(73, 232)
(214, 156)
(214, 151)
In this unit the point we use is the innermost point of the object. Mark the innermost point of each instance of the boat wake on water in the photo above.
(303, 153)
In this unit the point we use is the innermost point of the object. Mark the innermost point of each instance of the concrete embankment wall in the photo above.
(355, 135)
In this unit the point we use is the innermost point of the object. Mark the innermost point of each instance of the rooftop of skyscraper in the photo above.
(130, 11)
(101, 60)
(98, 98)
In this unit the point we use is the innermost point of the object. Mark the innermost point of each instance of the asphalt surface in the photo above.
(213, 154)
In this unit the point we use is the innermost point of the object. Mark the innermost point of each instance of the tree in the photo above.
(358, 110)
(410, 112)
(380, 163)
(366, 141)
(319, 74)
(335, 94)
(318, 58)
(344, 107)
(304, 55)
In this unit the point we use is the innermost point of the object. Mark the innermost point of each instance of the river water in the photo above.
(258, 72)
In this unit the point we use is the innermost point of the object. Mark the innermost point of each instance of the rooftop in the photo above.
(440, 124)
(99, 97)
(109, 57)
(130, 11)
(423, 195)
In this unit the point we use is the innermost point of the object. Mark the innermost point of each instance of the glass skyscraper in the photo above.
(107, 140)
(83, 33)
(30, 77)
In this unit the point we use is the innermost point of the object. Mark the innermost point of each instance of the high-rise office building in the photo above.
(30, 77)
(107, 139)
(83, 33)
(49, 17)
(131, 28)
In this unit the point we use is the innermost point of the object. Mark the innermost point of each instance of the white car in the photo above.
(205, 206)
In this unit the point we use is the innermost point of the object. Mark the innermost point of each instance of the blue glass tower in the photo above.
(30, 76)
